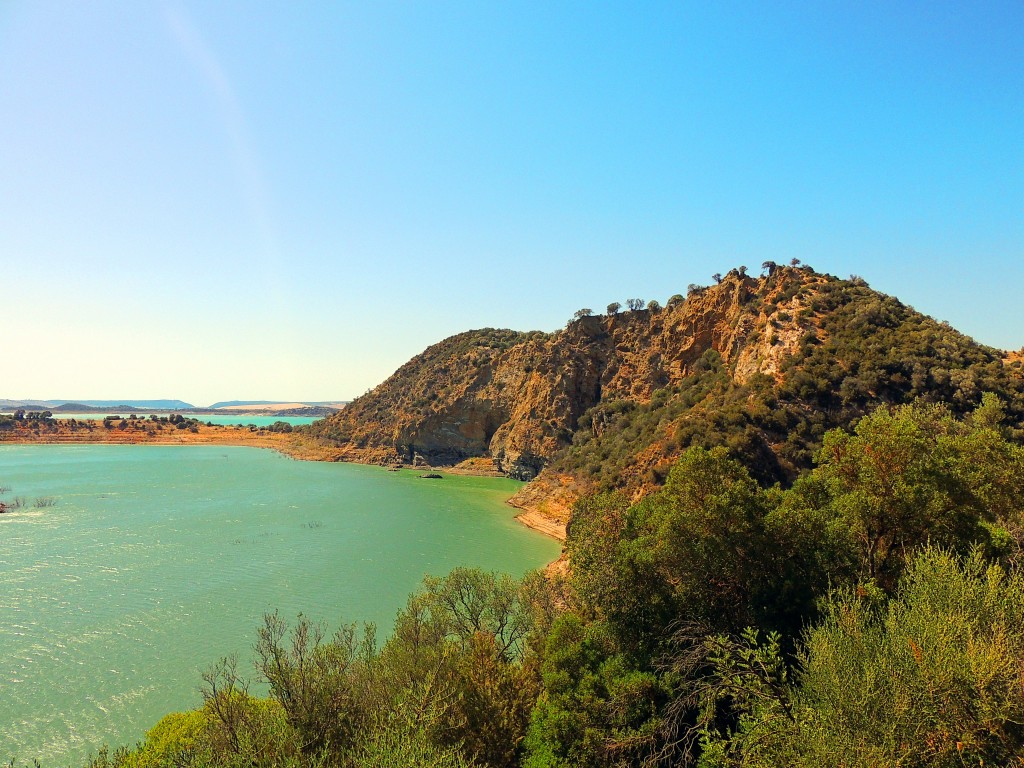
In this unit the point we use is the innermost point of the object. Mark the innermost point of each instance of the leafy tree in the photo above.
(462, 651)
(915, 474)
(400, 744)
(710, 547)
(598, 709)
(614, 308)
(319, 683)
(700, 539)
(635, 304)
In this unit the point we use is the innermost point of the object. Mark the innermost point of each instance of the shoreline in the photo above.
(289, 444)
(541, 523)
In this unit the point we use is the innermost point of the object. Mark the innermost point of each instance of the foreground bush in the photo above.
(929, 678)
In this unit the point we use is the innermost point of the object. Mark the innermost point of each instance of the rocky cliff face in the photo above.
(795, 341)
(517, 397)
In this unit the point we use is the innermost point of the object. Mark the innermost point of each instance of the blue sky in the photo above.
(280, 200)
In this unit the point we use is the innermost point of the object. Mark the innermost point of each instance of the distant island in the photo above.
(277, 404)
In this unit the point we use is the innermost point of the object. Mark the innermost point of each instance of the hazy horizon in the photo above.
(229, 201)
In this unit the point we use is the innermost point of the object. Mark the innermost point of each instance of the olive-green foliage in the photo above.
(710, 547)
(177, 738)
(877, 349)
(709, 552)
(322, 686)
(930, 678)
(915, 474)
(666, 585)
(702, 539)
(598, 708)
(452, 688)
(860, 350)
(257, 735)
(610, 434)
(388, 747)
(465, 651)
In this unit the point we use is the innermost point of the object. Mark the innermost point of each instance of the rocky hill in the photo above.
(763, 365)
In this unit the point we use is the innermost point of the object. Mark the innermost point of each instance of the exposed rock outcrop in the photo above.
(517, 397)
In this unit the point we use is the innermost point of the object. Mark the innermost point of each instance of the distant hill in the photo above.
(9, 404)
(762, 365)
(163, 405)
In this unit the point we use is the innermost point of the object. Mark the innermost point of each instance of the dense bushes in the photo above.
(870, 615)
(688, 629)
(929, 678)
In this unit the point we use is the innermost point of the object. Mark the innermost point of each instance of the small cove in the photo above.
(157, 560)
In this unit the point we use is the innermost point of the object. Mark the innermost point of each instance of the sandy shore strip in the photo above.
(542, 524)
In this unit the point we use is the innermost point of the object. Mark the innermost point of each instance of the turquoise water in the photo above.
(157, 560)
(259, 421)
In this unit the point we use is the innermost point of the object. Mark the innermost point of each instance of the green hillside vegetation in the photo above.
(871, 614)
(859, 349)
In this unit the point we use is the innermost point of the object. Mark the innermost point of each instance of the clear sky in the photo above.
(251, 200)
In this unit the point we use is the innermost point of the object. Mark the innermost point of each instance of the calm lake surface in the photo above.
(212, 418)
(157, 560)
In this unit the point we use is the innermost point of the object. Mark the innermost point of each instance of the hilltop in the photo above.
(763, 365)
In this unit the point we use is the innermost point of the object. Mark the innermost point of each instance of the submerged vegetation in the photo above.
(872, 614)
(10, 504)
